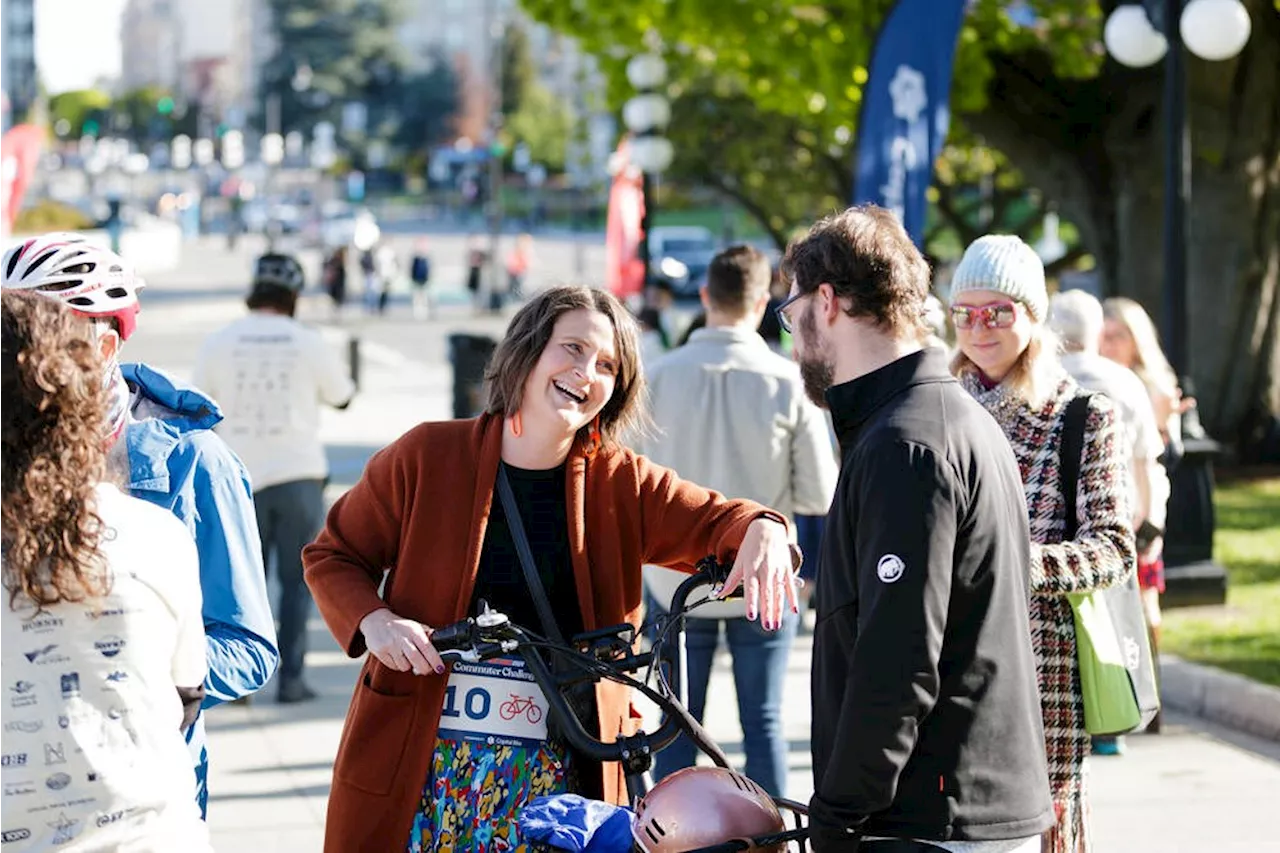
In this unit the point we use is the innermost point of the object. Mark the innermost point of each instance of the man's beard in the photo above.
(816, 370)
(817, 375)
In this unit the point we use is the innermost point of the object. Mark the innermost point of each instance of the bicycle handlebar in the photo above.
(491, 634)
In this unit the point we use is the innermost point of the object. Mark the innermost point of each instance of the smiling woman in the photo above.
(412, 769)
(570, 359)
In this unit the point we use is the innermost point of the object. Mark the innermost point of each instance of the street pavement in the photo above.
(1196, 787)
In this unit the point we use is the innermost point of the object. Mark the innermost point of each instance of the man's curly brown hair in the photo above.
(54, 453)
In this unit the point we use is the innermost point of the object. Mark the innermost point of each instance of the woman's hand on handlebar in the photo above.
(764, 569)
(400, 644)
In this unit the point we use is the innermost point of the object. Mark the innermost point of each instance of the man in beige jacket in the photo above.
(732, 415)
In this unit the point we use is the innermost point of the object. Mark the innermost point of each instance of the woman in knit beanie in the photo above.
(1008, 360)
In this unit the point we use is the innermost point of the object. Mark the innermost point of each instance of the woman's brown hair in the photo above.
(54, 455)
(527, 337)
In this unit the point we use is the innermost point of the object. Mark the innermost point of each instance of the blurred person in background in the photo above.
(1129, 338)
(335, 279)
(518, 262)
(388, 270)
(1077, 319)
(164, 450)
(104, 650)
(732, 414)
(653, 339)
(477, 257)
(273, 374)
(420, 278)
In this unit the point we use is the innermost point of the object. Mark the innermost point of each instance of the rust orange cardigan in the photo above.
(420, 510)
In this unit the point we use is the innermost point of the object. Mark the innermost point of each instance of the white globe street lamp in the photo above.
(647, 71)
(646, 116)
(1131, 39)
(1215, 29)
(1138, 35)
(652, 154)
(646, 112)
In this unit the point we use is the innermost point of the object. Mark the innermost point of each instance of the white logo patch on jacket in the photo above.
(890, 568)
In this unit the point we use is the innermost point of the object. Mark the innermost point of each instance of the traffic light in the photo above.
(164, 106)
(90, 128)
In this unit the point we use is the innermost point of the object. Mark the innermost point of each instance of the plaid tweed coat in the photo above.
(1101, 554)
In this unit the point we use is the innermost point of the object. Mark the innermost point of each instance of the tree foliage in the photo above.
(1036, 104)
(795, 70)
(330, 52)
(145, 120)
(79, 106)
(545, 124)
(519, 74)
(428, 103)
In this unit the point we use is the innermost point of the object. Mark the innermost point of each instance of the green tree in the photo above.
(1083, 131)
(78, 107)
(150, 113)
(519, 74)
(331, 52)
(428, 104)
(545, 123)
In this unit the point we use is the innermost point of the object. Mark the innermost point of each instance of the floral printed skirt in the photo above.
(474, 793)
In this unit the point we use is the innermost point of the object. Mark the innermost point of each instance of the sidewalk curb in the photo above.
(1223, 697)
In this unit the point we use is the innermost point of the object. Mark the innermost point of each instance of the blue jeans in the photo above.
(759, 670)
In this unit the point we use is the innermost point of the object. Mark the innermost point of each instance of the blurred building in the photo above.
(204, 52)
(18, 53)
(149, 44)
(464, 33)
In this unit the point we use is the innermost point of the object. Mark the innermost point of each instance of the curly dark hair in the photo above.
(866, 256)
(54, 454)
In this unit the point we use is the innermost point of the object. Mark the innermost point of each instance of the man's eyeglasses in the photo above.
(784, 319)
(993, 315)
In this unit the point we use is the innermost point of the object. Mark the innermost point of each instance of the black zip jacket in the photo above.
(926, 721)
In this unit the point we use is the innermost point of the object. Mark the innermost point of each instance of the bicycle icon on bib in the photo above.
(517, 705)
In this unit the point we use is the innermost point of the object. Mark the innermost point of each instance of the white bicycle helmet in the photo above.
(94, 281)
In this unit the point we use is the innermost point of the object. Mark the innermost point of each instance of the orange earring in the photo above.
(595, 431)
(517, 425)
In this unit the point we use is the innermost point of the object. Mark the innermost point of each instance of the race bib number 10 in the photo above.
(496, 702)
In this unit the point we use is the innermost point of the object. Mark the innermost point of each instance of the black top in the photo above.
(926, 715)
(500, 580)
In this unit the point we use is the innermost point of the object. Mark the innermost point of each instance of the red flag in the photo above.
(624, 271)
(19, 154)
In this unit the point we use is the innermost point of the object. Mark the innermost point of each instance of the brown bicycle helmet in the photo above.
(701, 806)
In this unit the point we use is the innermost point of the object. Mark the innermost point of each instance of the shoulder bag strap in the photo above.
(1070, 449)
(531, 577)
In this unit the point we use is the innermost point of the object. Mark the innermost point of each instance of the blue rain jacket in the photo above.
(177, 462)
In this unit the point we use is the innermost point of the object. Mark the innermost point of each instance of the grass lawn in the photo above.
(1244, 635)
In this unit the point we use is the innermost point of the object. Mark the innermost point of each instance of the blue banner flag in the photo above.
(904, 117)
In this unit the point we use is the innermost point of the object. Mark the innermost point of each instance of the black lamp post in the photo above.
(1139, 35)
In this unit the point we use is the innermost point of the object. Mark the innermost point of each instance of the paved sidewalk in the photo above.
(1195, 788)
